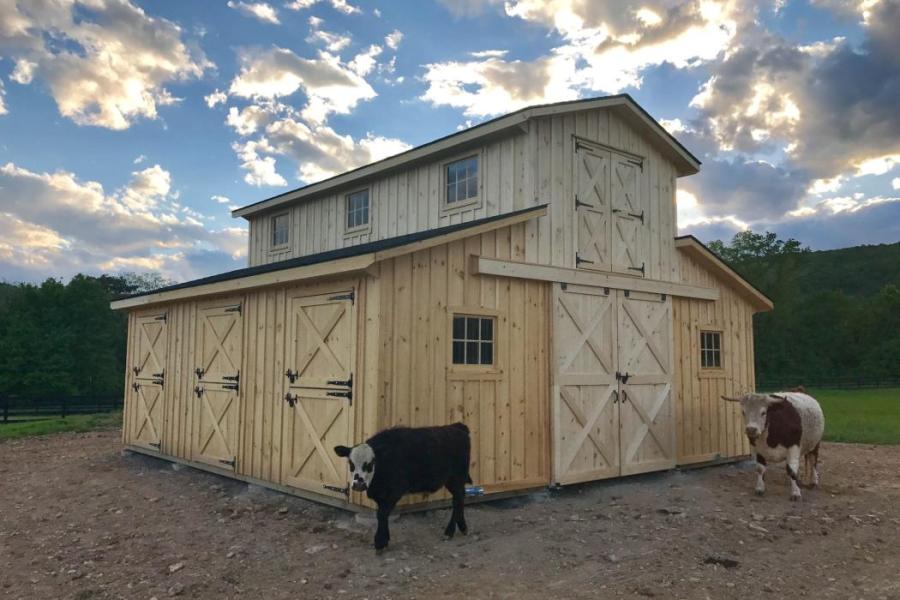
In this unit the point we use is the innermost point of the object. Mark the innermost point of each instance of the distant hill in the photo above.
(837, 312)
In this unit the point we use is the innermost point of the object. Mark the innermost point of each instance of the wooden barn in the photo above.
(523, 276)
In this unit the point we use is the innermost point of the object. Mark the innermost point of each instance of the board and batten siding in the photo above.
(506, 407)
(530, 168)
(708, 428)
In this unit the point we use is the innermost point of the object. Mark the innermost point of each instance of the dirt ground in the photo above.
(78, 519)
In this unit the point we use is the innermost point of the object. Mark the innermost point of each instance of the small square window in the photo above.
(357, 210)
(473, 340)
(280, 230)
(462, 180)
(710, 349)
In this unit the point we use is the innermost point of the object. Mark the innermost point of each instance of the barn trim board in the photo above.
(588, 313)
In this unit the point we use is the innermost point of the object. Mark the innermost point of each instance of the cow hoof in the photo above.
(760, 492)
(795, 497)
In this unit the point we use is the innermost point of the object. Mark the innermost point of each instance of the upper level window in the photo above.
(473, 340)
(710, 349)
(462, 181)
(357, 210)
(280, 229)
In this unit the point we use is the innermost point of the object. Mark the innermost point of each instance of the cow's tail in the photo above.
(465, 428)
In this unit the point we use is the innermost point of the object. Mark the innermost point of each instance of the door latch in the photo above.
(291, 399)
(199, 372)
(198, 390)
(292, 375)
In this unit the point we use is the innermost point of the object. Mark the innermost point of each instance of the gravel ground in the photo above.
(79, 519)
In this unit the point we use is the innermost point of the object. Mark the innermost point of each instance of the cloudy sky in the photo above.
(129, 129)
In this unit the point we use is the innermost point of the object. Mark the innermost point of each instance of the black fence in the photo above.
(829, 383)
(30, 408)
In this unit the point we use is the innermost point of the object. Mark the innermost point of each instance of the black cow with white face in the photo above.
(405, 460)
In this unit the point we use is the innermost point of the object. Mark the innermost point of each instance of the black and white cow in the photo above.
(404, 460)
(784, 427)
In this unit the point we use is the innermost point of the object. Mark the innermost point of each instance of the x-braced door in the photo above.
(585, 407)
(628, 219)
(645, 360)
(218, 351)
(321, 361)
(593, 211)
(147, 388)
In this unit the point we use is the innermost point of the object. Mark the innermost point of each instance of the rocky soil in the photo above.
(78, 519)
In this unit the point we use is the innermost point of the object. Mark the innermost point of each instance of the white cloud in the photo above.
(257, 10)
(393, 39)
(338, 5)
(489, 54)
(216, 98)
(54, 224)
(333, 42)
(3, 109)
(330, 85)
(221, 199)
(895, 183)
(260, 170)
(105, 62)
(141, 158)
(878, 165)
(363, 63)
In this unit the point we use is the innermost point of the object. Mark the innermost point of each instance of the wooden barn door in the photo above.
(645, 359)
(628, 219)
(585, 410)
(147, 390)
(593, 216)
(612, 386)
(218, 352)
(321, 360)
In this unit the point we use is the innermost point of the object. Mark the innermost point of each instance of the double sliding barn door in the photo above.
(218, 351)
(612, 392)
(320, 360)
(611, 228)
(148, 371)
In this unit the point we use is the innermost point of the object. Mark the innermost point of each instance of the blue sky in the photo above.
(129, 129)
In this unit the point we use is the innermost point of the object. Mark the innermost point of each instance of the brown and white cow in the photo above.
(784, 427)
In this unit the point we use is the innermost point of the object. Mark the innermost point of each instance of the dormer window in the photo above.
(461, 182)
(357, 211)
(281, 230)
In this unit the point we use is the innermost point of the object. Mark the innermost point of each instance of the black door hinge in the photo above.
(159, 375)
(230, 463)
(156, 445)
(236, 308)
(579, 203)
(292, 375)
(344, 383)
(135, 386)
(230, 386)
(351, 296)
(291, 399)
(579, 260)
(347, 394)
(639, 269)
(637, 216)
(639, 163)
(136, 370)
(199, 372)
(198, 390)
(340, 490)
(234, 378)
(159, 382)
(161, 317)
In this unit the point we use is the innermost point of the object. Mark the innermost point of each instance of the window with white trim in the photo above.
(461, 181)
(357, 210)
(710, 349)
(281, 229)
(473, 340)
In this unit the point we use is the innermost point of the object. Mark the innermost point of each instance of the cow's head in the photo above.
(361, 460)
(755, 408)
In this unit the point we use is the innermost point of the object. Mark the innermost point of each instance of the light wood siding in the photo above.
(506, 408)
(708, 428)
(527, 169)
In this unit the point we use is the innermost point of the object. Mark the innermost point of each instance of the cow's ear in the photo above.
(342, 451)
(729, 399)
(773, 398)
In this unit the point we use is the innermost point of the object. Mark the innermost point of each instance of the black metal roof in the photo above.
(347, 252)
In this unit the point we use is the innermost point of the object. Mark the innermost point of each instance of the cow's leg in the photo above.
(760, 473)
(457, 489)
(793, 470)
(814, 462)
(382, 533)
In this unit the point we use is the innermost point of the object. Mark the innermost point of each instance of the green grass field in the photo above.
(861, 416)
(57, 425)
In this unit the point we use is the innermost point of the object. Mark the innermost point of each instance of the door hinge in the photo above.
(159, 382)
(639, 163)
(234, 378)
(579, 203)
(159, 375)
(579, 260)
(639, 269)
(230, 463)
(161, 317)
(351, 296)
(292, 375)
(344, 383)
(136, 370)
(156, 445)
(199, 372)
(236, 308)
(198, 390)
(291, 399)
(343, 394)
(135, 386)
(340, 490)
(230, 386)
